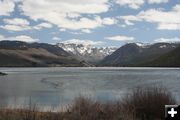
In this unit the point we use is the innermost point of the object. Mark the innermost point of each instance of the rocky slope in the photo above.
(87, 52)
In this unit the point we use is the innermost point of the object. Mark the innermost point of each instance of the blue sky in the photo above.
(95, 22)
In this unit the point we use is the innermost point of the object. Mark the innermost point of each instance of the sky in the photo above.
(94, 22)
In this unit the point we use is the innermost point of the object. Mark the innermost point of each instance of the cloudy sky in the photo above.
(95, 22)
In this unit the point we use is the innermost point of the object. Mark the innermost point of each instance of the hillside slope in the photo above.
(170, 59)
(133, 54)
(21, 54)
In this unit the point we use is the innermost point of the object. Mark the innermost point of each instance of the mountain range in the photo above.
(21, 54)
(170, 59)
(137, 54)
(87, 52)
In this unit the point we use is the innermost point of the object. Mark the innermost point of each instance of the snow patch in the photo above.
(83, 50)
(163, 46)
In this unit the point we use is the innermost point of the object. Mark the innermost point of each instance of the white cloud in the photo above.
(84, 42)
(23, 38)
(82, 31)
(16, 24)
(67, 14)
(56, 38)
(62, 30)
(157, 1)
(19, 24)
(86, 31)
(109, 21)
(169, 20)
(129, 18)
(169, 26)
(128, 22)
(6, 7)
(76, 33)
(121, 38)
(1, 37)
(64, 7)
(15, 27)
(134, 4)
(43, 25)
(171, 40)
(17, 21)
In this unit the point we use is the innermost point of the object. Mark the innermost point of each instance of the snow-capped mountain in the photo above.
(160, 45)
(136, 54)
(143, 45)
(87, 52)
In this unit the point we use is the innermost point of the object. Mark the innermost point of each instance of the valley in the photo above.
(21, 54)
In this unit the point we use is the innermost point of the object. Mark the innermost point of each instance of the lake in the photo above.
(53, 87)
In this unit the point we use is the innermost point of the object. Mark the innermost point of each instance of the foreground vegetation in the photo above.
(141, 104)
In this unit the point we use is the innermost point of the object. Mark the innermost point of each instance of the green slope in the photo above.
(170, 59)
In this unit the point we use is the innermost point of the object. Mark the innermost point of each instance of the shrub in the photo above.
(141, 104)
(86, 109)
(148, 103)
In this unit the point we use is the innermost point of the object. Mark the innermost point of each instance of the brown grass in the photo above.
(148, 103)
(141, 104)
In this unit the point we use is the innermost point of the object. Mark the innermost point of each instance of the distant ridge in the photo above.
(133, 54)
(21, 54)
(170, 59)
(87, 52)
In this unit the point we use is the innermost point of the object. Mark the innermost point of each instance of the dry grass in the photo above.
(141, 104)
(148, 103)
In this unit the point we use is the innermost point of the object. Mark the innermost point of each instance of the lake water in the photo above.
(52, 87)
